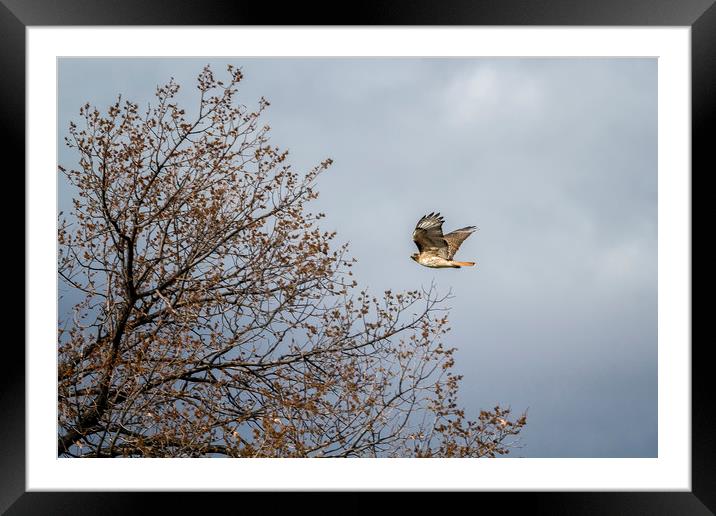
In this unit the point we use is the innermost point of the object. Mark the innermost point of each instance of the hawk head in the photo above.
(414, 256)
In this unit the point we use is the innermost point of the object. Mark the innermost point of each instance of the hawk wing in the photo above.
(456, 238)
(428, 235)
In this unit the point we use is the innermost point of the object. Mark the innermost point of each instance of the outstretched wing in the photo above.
(456, 238)
(428, 235)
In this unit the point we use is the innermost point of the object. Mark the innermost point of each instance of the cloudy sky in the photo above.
(555, 160)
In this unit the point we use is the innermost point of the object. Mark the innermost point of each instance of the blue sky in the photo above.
(555, 160)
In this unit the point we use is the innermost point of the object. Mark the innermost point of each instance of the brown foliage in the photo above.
(218, 319)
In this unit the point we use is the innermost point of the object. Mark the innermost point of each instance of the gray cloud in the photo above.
(553, 159)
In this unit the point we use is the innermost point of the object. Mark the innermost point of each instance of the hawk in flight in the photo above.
(435, 249)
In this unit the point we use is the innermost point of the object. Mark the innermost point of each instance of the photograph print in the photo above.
(357, 257)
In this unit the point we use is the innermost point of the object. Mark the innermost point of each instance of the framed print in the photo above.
(203, 304)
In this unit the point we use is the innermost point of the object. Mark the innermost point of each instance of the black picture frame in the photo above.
(700, 15)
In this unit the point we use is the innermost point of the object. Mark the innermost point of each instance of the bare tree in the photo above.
(216, 318)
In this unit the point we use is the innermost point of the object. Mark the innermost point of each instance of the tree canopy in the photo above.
(216, 318)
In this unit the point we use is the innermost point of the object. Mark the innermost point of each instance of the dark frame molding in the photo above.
(700, 15)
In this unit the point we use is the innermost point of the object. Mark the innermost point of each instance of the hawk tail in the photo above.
(464, 264)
